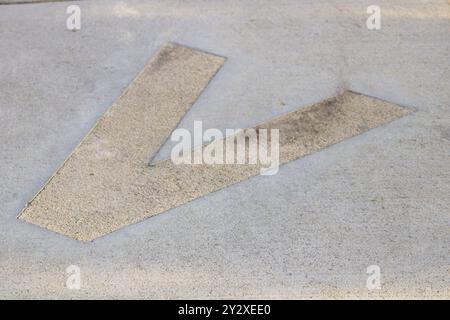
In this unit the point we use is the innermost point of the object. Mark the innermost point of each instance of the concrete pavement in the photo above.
(312, 230)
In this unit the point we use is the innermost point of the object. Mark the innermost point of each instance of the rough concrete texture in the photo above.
(380, 198)
(106, 183)
(28, 1)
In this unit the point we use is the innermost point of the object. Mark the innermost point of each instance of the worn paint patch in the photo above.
(106, 183)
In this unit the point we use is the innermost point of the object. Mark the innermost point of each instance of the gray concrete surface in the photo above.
(6, 2)
(311, 230)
